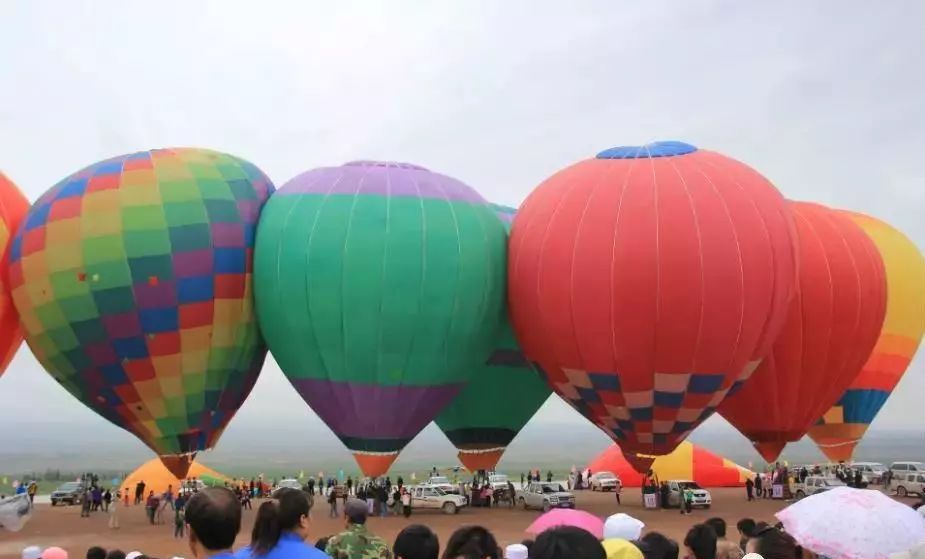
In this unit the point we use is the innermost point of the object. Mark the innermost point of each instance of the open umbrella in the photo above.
(845, 523)
(568, 517)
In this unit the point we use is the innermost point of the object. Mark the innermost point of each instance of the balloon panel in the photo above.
(13, 207)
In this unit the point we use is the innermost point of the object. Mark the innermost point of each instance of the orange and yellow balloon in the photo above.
(13, 207)
(843, 426)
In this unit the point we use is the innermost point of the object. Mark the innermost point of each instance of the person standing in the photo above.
(139, 492)
(758, 486)
(749, 489)
(179, 517)
(406, 502)
(113, 515)
(32, 490)
(349, 485)
(617, 489)
(332, 501)
(107, 500)
(357, 542)
(86, 502)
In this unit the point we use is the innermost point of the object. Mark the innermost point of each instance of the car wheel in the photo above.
(54, 502)
(901, 491)
(546, 506)
(449, 508)
(800, 494)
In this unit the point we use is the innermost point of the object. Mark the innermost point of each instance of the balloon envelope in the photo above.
(646, 282)
(499, 399)
(13, 207)
(379, 289)
(833, 323)
(132, 279)
(842, 426)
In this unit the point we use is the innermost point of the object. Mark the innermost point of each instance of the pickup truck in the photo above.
(433, 497)
(70, 493)
(815, 484)
(702, 497)
(545, 496)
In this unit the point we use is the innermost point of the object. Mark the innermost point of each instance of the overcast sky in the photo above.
(825, 98)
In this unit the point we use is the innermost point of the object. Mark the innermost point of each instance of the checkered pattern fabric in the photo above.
(132, 279)
(659, 418)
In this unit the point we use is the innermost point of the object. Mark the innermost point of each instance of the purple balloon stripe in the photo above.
(374, 179)
(373, 411)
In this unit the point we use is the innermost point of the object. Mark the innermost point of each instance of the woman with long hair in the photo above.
(281, 529)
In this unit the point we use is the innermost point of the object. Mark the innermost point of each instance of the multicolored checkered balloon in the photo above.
(13, 207)
(132, 279)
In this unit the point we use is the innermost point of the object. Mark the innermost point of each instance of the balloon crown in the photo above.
(655, 149)
(396, 164)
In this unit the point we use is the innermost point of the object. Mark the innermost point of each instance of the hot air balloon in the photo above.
(379, 290)
(832, 326)
(646, 282)
(13, 207)
(500, 398)
(132, 279)
(842, 426)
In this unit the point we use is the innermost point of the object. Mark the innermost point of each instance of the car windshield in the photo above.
(439, 479)
(688, 485)
(832, 483)
(552, 488)
(437, 491)
(605, 475)
(69, 486)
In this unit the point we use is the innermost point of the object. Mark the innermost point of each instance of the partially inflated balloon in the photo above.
(132, 279)
(379, 290)
(842, 426)
(13, 207)
(646, 282)
(831, 328)
(500, 398)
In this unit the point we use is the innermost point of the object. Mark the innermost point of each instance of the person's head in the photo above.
(567, 542)
(32, 552)
(288, 512)
(322, 543)
(745, 527)
(718, 525)
(115, 554)
(658, 546)
(701, 542)
(54, 553)
(516, 551)
(416, 542)
(96, 552)
(214, 518)
(472, 542)
(771, 543)
(618, 548)
(355, 512)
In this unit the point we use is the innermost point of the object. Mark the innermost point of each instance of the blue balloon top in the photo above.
(655, 149)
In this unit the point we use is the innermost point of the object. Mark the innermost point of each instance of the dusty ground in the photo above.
(62, 526)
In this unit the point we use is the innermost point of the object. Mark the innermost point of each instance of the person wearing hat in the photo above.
(357, 542)
(622, 526)
(516, 551)
(54, 553)
(32, 552)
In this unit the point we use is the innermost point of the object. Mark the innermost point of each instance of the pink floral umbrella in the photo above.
(568, 517)
(845, 523)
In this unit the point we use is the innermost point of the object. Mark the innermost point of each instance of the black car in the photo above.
(71, 493)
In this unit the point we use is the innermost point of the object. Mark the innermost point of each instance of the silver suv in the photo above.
(545, 496)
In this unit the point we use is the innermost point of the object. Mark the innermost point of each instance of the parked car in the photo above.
(287, 484)
(497, 481)
(871, 472)
(545, 496)
(702, 497)
(70, 493)
(443, 483)
(815, 484)
(900, 469)
(909, 483)
(604, 481)
(434, 497)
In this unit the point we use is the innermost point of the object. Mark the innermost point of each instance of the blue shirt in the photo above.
(289, 546)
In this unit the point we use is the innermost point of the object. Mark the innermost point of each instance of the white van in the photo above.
(900, 469)
(909, 483)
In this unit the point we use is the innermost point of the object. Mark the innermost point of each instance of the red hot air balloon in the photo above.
(831, 328)
(646, 282)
